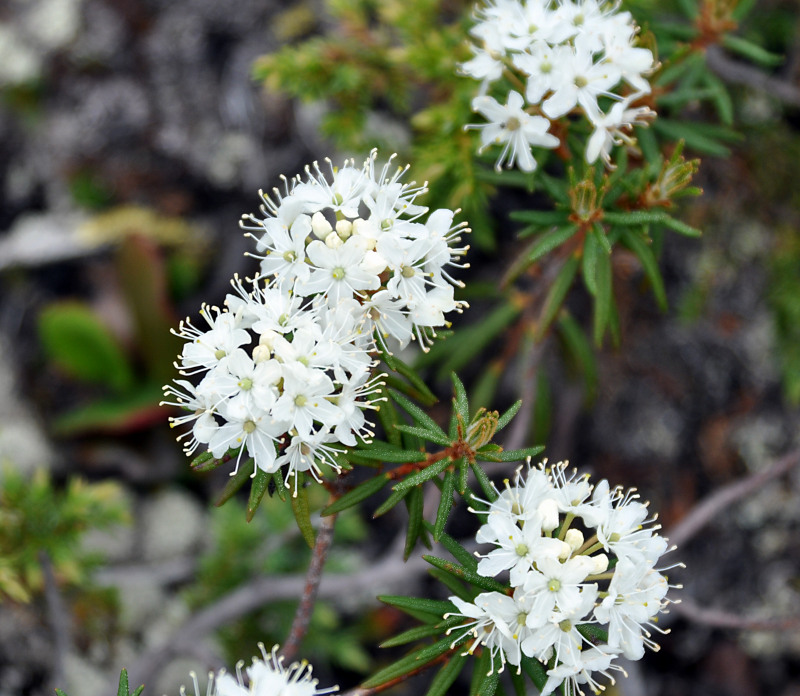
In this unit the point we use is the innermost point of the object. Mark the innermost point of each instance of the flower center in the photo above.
(219, 353)
(283, 319)
(516, 509)
(249, 426)
(300, 400)
(289, 256)
(246, 384)
(387, 224)
(408, 271)
(565, 625)
(521, 549)
(513, 124)
(338, 273)
(545, 67)
(579, 19)
(337, 199)
(554, 585)
(522, 618)
(581, 82)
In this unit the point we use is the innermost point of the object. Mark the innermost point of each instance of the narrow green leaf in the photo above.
(404, 387)
(649, 264)
(301, 510)
(578, 346)
(258, 487)
(448, 674)
(463, 475)
(517, 681)
(721, 98)
(415, 501)
(438, 438)
(549, 241)
(389, 503)
(482, 667)
(426, 395)
(488, 683)
(138, 691)
(637, 218)
(593, 633)
(435, 607)
(460, 401)
(280, 485)
(456, 550)
(505, 419)
(485, 387)
(423, 475)
(603, 298)
(556, 187)
(510, 455)
(535, 670)
(543, 218)
(419, 632)
(123, 689)
(457, 587)
(413, 661)
(751, 51)
(388, 416)
(356, 495)
(204, 462)
(383, 452)
(483, 481)
(445, 504)
(591, 250)
(599, 233)
(694, 137)
(235, 482)
(59, 692)
(488, 584)
(420, 417)
(558, 291)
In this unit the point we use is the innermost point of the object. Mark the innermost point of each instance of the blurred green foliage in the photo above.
(37, 517)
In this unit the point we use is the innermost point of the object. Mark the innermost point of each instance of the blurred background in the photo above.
(133, 136)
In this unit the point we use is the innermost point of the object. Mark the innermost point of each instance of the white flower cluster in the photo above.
(578, 557)
(284, 368)
(265, 677)
(564, 55)
(358, 233)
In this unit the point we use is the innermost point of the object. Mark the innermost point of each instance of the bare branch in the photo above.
(738, 73)
(717, 618)
(715, 503)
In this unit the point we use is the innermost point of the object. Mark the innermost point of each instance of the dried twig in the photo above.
(302, 616)
(58, 617)
(715, 503)
(717, 618)
(739, 73)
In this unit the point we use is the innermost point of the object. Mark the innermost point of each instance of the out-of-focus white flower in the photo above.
(266, 676)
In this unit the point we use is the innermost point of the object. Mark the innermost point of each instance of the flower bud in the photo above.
(320, 226)
(333, 241)
(344, 228)
(600, 563)
(574, 537)
(261, 353)
(548, 511)
(267, 339)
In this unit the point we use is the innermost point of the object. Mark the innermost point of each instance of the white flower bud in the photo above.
(344, 228)
(600, 563)
(574, 537)
(261, 353)
(548, 511)
(267, 338)
(333, 241)
(565, 552)
(320, 226)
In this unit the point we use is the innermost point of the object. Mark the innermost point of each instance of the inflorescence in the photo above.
(284, 370)
(580, 561)
(564, 57)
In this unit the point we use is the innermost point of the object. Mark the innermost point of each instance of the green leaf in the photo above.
(388, 416)
(487, 684)
(445, 504)
(423, 475)
(579, 347)
(591, 251)
(693, 136)
(558, 291)
(649, 264)
(637, 218)
(603, 299)
(257, 489)
(205, 462)
(518, 682)
(414, 661)
(420, 417)
(415, 502)
(456, 550)
(542, 218)
(236, 481)
(447, 674)
(390, 502)
(505, 419)
(488, 584)
(385, 453)
(535, 670)
(484, 482)
(460, 401)
(593, 633)
(301, 510)
(509, 455)
(425, 395)
(457, 587)
(483, 665)
(419, 632)
(463, 475)
(78, 342)
(280, 485)
(356, 495)
(435, 607)
(751, 51)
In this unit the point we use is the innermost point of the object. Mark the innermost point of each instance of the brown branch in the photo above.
(302, 616)
(363, 691)
(715, 503)
(739, 73)
(717, 618)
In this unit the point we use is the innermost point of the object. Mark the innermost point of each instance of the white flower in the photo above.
(266, 676)
(514, 127)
